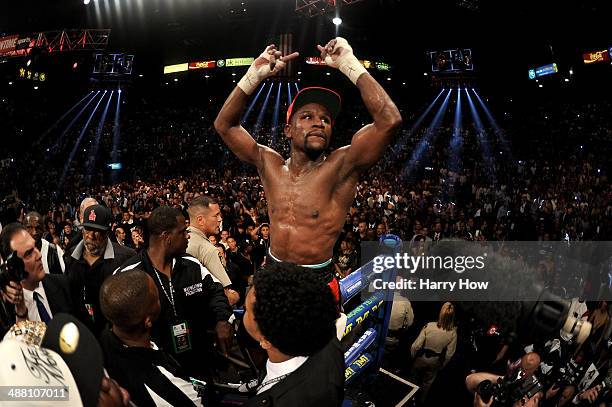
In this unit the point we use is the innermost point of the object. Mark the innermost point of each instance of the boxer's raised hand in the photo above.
(338, 54)
(267, 64)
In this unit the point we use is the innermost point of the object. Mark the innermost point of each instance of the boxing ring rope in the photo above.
(365, 355)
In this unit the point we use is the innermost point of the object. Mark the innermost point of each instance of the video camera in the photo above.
(509, 390)
(12, 270)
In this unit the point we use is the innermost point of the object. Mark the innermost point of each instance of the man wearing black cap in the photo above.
(91, 261)
(310, 193)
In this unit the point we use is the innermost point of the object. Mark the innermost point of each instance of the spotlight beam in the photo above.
(54, 125)
(289, 97)
(427, 138)
(456, 140)
(276, 114)
(498, 131)
(67, 128)
(116, 130)
(483, 142)
(94, 150)
(78, 143)
(250, 108)
(401, 142)
(116, 136)
(262, 112)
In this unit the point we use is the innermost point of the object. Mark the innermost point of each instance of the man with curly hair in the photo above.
(292, 316)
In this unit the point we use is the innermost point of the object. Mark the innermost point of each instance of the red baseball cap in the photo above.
(323, 96)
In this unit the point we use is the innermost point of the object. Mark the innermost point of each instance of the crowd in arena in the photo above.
(541, 178)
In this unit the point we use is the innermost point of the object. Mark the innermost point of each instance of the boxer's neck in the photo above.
(300, 162)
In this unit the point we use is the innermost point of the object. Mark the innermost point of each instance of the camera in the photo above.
(509, 390)
(12, 270)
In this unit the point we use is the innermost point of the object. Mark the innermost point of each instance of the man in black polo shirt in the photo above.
(191, 298)
(91, 261)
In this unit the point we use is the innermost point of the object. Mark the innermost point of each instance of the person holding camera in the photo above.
(36, 295)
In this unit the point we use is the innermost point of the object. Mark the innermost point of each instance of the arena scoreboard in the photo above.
(451, 60)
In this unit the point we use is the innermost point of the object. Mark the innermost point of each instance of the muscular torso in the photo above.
(307, 209)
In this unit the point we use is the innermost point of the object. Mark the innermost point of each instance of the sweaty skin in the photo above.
(310, 193)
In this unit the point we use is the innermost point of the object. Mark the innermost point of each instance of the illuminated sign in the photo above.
(381, 66)
(8, 44)
(596, 56)
(176, 68)
(239, 61)
(202, 65)
(547, 70)
(315, 61)
(24, 73)
(532, 74)
(115, 166)
(23, 43)
(543, 71)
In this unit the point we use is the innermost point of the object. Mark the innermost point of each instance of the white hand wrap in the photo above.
(347, 63)
(254, 75)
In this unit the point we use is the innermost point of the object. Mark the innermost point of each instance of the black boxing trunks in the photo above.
(324, 270)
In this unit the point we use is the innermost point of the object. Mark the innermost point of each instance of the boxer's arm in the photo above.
(227, 123)
(369, 143)
(233, 134)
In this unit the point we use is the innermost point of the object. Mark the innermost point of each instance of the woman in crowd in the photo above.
(433, 348)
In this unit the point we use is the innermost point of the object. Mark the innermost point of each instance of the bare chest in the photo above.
(308, 196)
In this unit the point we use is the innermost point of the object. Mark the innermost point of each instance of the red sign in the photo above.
(202, 64)
(7, 44)
(597, 56)
(315, 61)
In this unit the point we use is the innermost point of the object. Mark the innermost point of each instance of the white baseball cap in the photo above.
(29, 365)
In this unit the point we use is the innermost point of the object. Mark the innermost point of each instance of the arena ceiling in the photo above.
(506, 36)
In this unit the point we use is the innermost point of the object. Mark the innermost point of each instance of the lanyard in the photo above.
(170, 297)
(271, 381)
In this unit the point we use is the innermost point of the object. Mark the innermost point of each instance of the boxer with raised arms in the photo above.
(310, 193)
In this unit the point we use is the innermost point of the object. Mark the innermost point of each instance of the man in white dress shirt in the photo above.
(39, 295)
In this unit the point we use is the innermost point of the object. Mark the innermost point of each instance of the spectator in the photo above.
(433, 348)
(130, 301)
(205, 216)
(40, 295)
(91, 262)
(192, 300)
(346, 261)
(52, 255)
(305, 366)
(120, 236)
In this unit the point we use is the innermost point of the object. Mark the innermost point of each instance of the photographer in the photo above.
(598, 395)
(521, 386)
(37, 296)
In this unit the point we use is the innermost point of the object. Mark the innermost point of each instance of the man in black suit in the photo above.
(39, 296)
(292, 313)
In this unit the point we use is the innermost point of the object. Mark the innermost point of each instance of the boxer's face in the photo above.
(310, 129)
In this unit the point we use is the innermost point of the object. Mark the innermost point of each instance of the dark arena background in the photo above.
(505, 141)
